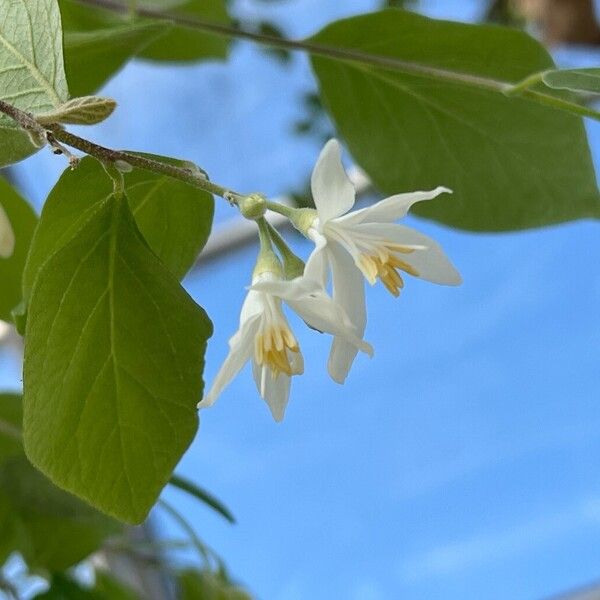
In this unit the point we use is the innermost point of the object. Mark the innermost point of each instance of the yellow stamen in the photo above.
(385, 265)
(271, 349)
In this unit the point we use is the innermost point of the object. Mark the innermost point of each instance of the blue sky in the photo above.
(462, 460)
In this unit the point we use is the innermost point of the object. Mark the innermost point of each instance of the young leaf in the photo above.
(577, 80)
(107, 50)
(184, 43)
(513, 163)
(174, 218)
(32, 75)
(113, 360)
(86, 110)
(23, 222)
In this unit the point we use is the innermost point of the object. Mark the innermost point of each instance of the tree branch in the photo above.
(54, 133)
(349, 55)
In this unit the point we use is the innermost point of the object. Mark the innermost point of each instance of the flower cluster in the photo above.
(350, 246)
(7, 237)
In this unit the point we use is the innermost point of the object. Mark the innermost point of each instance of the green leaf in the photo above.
(513, 163)
(577, 80)
(86, 110)
(11, 417)
(185, 43)
(60, 529)
(107, 50)
(174, 218)
(112, 589)
(202, 495)
(23, 221)
(13, 536)
(63, 587)
(49, 527)
(110, 402)
(32, 75)
(206, 585)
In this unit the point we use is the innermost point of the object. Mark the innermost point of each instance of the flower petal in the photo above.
(390, 209)
(349, 293)
(320, 312)
(293, 289)
(254, 304)
(241, 350)
(431, 263)
(332, 190)
(274, 391)
(7, 236)
(316, 265)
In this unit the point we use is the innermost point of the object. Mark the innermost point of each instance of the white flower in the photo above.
(7, 237)
(366, 243)
(265, 337)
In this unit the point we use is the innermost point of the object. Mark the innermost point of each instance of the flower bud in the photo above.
(253, 207)
(303, 219)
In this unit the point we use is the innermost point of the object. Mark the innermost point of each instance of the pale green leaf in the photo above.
(577, 80)
(512, 162)
(85, 110)
(32, 75)
(110, 403)
(23, 222)
(107, 50)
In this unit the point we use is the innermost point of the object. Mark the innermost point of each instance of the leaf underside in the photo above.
(512, 163)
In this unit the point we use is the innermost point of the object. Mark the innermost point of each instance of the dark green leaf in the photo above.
(62, 587)
(93, 57)
(11, 417)
(185, 43)
(13, 536)
(577, 80)
(49, 527)
(110, 402)
(23, 221)
(60, 529)
(512, 162)
(202, 495)
(32, 75)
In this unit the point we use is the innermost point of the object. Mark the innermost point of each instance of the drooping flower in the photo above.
(265, 337)
(7, 236)
(364, 243)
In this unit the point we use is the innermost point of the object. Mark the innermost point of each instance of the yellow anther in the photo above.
(385, 266)
(271, 349)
